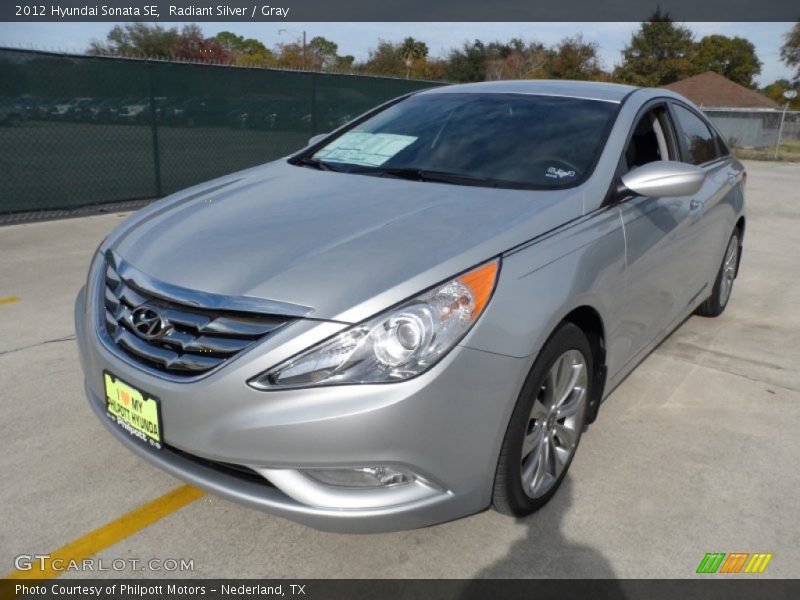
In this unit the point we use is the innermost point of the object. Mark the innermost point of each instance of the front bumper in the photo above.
(446, 425)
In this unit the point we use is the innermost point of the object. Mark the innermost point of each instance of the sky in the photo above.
(358, 38)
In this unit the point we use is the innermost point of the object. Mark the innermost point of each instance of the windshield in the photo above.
(520, 140)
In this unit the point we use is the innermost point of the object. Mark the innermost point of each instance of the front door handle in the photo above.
(695, 205)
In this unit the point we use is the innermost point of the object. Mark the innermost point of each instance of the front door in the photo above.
(661, 238)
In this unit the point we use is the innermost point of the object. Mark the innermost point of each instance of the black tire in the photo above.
(715, 304)
(509, 497)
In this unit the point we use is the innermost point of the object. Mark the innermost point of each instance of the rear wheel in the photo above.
(715, 304)
(546, 424)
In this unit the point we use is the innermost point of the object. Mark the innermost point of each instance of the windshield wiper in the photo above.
(307, 161)
(410, 173)
(415, 174)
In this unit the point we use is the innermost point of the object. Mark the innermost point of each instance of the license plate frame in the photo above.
(133, 410)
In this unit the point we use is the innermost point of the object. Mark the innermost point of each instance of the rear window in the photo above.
(522, 140)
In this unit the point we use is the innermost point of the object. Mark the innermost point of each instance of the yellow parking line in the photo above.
(111, 533)
(10, 300)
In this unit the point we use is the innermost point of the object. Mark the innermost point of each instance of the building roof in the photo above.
(712, 90)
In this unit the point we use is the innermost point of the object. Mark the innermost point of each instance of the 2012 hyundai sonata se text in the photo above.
(416, 316)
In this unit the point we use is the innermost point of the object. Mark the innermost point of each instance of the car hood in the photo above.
(344, 245)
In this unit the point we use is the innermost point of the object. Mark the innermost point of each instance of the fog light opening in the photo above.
(361, 477)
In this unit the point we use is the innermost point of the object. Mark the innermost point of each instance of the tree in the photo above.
(191, 45)
(344, 63)
(515, 60)
(573, 58)
(385, 59)
(133, 39)
(412, 51)
(790, 51)
(406, 59)
(734, 58)
(659, 53)
(776, 89)
(290, 55)
(467, 63)
(258, 58)
(431, 69)
(323, 53)
(142, 39)
(245, 51)
(237, 44)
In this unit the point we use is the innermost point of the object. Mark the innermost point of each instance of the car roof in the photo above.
(590, 90)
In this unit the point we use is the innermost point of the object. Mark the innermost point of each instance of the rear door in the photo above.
(711, 216)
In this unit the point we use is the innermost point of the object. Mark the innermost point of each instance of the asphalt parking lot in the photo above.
(697, 451)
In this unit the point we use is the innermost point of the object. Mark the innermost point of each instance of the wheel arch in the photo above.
(588, 319)
(740, 225)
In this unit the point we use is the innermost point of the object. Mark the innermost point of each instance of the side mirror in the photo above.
(664, 178)
(316, 139)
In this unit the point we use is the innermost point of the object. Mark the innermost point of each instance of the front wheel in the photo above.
(715, 304)
(546, 424)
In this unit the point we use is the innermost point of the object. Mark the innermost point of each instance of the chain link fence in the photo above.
(77, 131)
(759, 134)
(80, 130)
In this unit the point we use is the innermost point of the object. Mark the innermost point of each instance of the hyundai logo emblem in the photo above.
(148, 323)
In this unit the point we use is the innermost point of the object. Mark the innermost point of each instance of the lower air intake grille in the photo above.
(175, 338)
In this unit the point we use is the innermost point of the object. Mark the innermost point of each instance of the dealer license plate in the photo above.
(135, 411)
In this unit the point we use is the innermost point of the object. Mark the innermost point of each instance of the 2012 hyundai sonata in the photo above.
(416, 316)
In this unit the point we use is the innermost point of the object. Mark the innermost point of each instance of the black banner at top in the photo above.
(395, 10)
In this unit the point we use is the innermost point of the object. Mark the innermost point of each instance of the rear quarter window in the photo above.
(698, 140)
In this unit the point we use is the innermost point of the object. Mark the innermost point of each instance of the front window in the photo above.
(649, 141)
(497, 140)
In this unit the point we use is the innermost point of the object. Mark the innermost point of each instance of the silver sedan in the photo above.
(416, 316)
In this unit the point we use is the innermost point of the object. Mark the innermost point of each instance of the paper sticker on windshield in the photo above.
(364, 149)
(554, 173)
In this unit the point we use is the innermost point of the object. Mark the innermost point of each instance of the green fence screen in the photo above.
(80, 130)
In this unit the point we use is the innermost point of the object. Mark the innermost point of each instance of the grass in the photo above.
(788, 151)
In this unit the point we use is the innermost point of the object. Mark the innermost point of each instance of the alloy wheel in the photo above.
(554, 424)
(729, 266)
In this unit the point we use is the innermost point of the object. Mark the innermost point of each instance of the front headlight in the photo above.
(398, 344)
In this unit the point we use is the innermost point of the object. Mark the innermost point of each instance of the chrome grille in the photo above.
(196, 339)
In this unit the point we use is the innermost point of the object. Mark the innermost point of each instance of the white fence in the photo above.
(755, 128)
